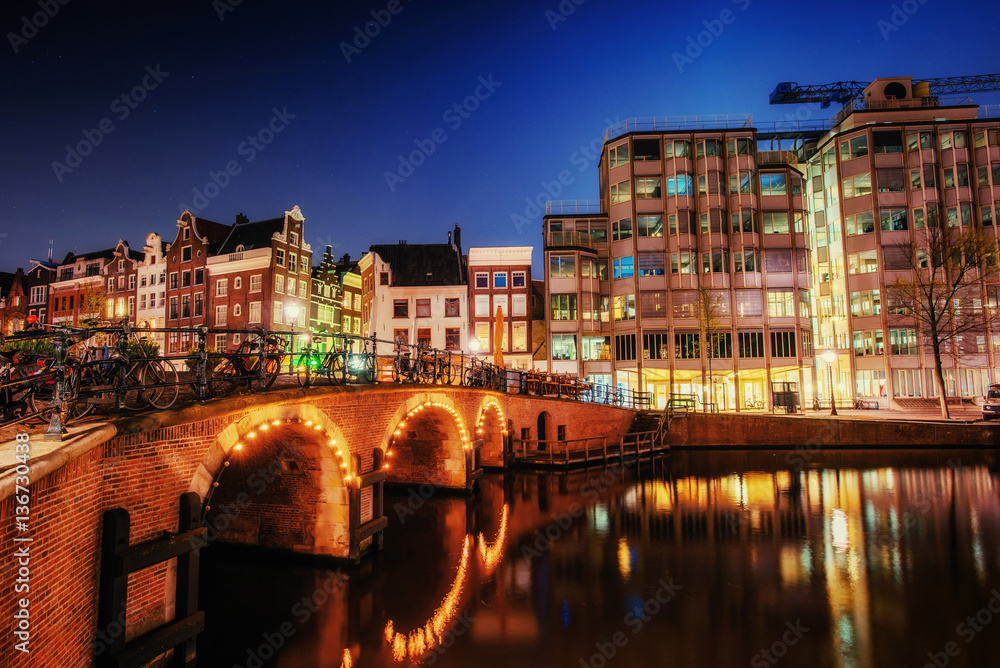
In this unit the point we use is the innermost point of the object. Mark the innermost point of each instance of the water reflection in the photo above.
(849, 559)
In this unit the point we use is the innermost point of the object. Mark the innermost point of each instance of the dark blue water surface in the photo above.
(840, 559)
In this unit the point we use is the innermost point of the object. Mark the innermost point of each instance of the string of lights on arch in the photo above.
(482, 416)
(463, 432)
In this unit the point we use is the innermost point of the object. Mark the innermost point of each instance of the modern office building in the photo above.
(711, 267)
(688, 214)
(896, 162)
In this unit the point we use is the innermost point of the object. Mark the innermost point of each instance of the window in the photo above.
(453, 338)
(131, 307)
(563, 346)
(278, 315)
(863, 262)
(624, 267)
(868, 342)
(775, 222)
(38, 294)
(500, 280)
(647, 187)
(618, 155)
(279, 257)
(751, 344)
(782, 344)
(854, 148)
(858, 186)
(746, 261)
(621, 229)
(621, 192)
(652, 263)
(279, 283)
(254, 316)
(740, 183)
(649, 226)
(646, 149)
(482, 306)
(682, 184)
(867, 302)
(893, 219)
(887, 141)
(563, 307)
(186, 254)
(423, 308)
(862, 223)
(400, 308)
(452, 307)
(720, 345)
(185, 306)
(772, 184)
(483, 279)
(173, 280)
(677, 149)
(562, 266)
(293, 262)
(780, 303)
(518, 336)
(255, 282)
(237, 310)
(519, 305)
(891, 179)
(185, 279)
(424, 337)
(518, 279)
(625, 347)
(740, 147)
(131, 282)
(291, 287)
(383, 278)
(903, 341)
(655, 346)
(686, 346)
(111, 285)
(709, 147)
(745, 221)
(220, 315)
(173, 308)
(142, 302)
(222, 287)
(483, 335)
(624, 308)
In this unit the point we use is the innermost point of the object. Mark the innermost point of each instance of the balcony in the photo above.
(569, 238)
(573, 207)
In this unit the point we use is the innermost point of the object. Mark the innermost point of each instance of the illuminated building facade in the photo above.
(685, 215)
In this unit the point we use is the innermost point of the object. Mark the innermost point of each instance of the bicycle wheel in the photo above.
(335, 371)
(135, 395)
(302, 371)
(222, 377)
(272, 366)
(162, 375)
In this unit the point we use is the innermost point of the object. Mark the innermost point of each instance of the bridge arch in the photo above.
(491, 428)
(426, 440)
(279, 477)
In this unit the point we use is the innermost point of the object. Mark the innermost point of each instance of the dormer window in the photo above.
(187, 233)
(293, 238)
(240, 249)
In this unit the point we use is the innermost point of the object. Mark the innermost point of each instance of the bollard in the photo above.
(57, 422)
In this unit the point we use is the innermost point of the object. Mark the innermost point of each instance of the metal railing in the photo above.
(573, 207)
(671, 123)
(75, 386)
(569, 238)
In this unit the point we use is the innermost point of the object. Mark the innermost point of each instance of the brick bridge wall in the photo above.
(144, 464)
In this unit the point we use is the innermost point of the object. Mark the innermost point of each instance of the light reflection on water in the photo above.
(853, 559)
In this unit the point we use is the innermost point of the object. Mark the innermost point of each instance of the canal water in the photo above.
(798, 558)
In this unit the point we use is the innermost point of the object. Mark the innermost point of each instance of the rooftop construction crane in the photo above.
(789, 92)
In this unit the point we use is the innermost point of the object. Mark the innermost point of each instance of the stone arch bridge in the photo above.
(295, 469)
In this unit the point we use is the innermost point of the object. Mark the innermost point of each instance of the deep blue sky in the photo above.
(556, 89)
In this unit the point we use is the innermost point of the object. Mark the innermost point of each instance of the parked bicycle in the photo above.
(241, 367)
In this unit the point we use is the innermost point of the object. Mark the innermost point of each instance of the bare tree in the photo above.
(709, 309)
(940, 290)
(93, 303)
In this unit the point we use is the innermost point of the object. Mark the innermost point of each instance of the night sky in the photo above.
(265, 91)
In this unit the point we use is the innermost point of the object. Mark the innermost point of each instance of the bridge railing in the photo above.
(253, 359)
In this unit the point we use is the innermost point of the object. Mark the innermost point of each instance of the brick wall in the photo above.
(156, 458)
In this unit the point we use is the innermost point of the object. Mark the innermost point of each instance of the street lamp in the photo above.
(292, 315)
(829, 356)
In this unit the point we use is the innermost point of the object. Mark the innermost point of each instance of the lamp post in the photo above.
(829, 356)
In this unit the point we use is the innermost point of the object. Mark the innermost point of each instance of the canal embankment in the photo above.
(735, 430)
